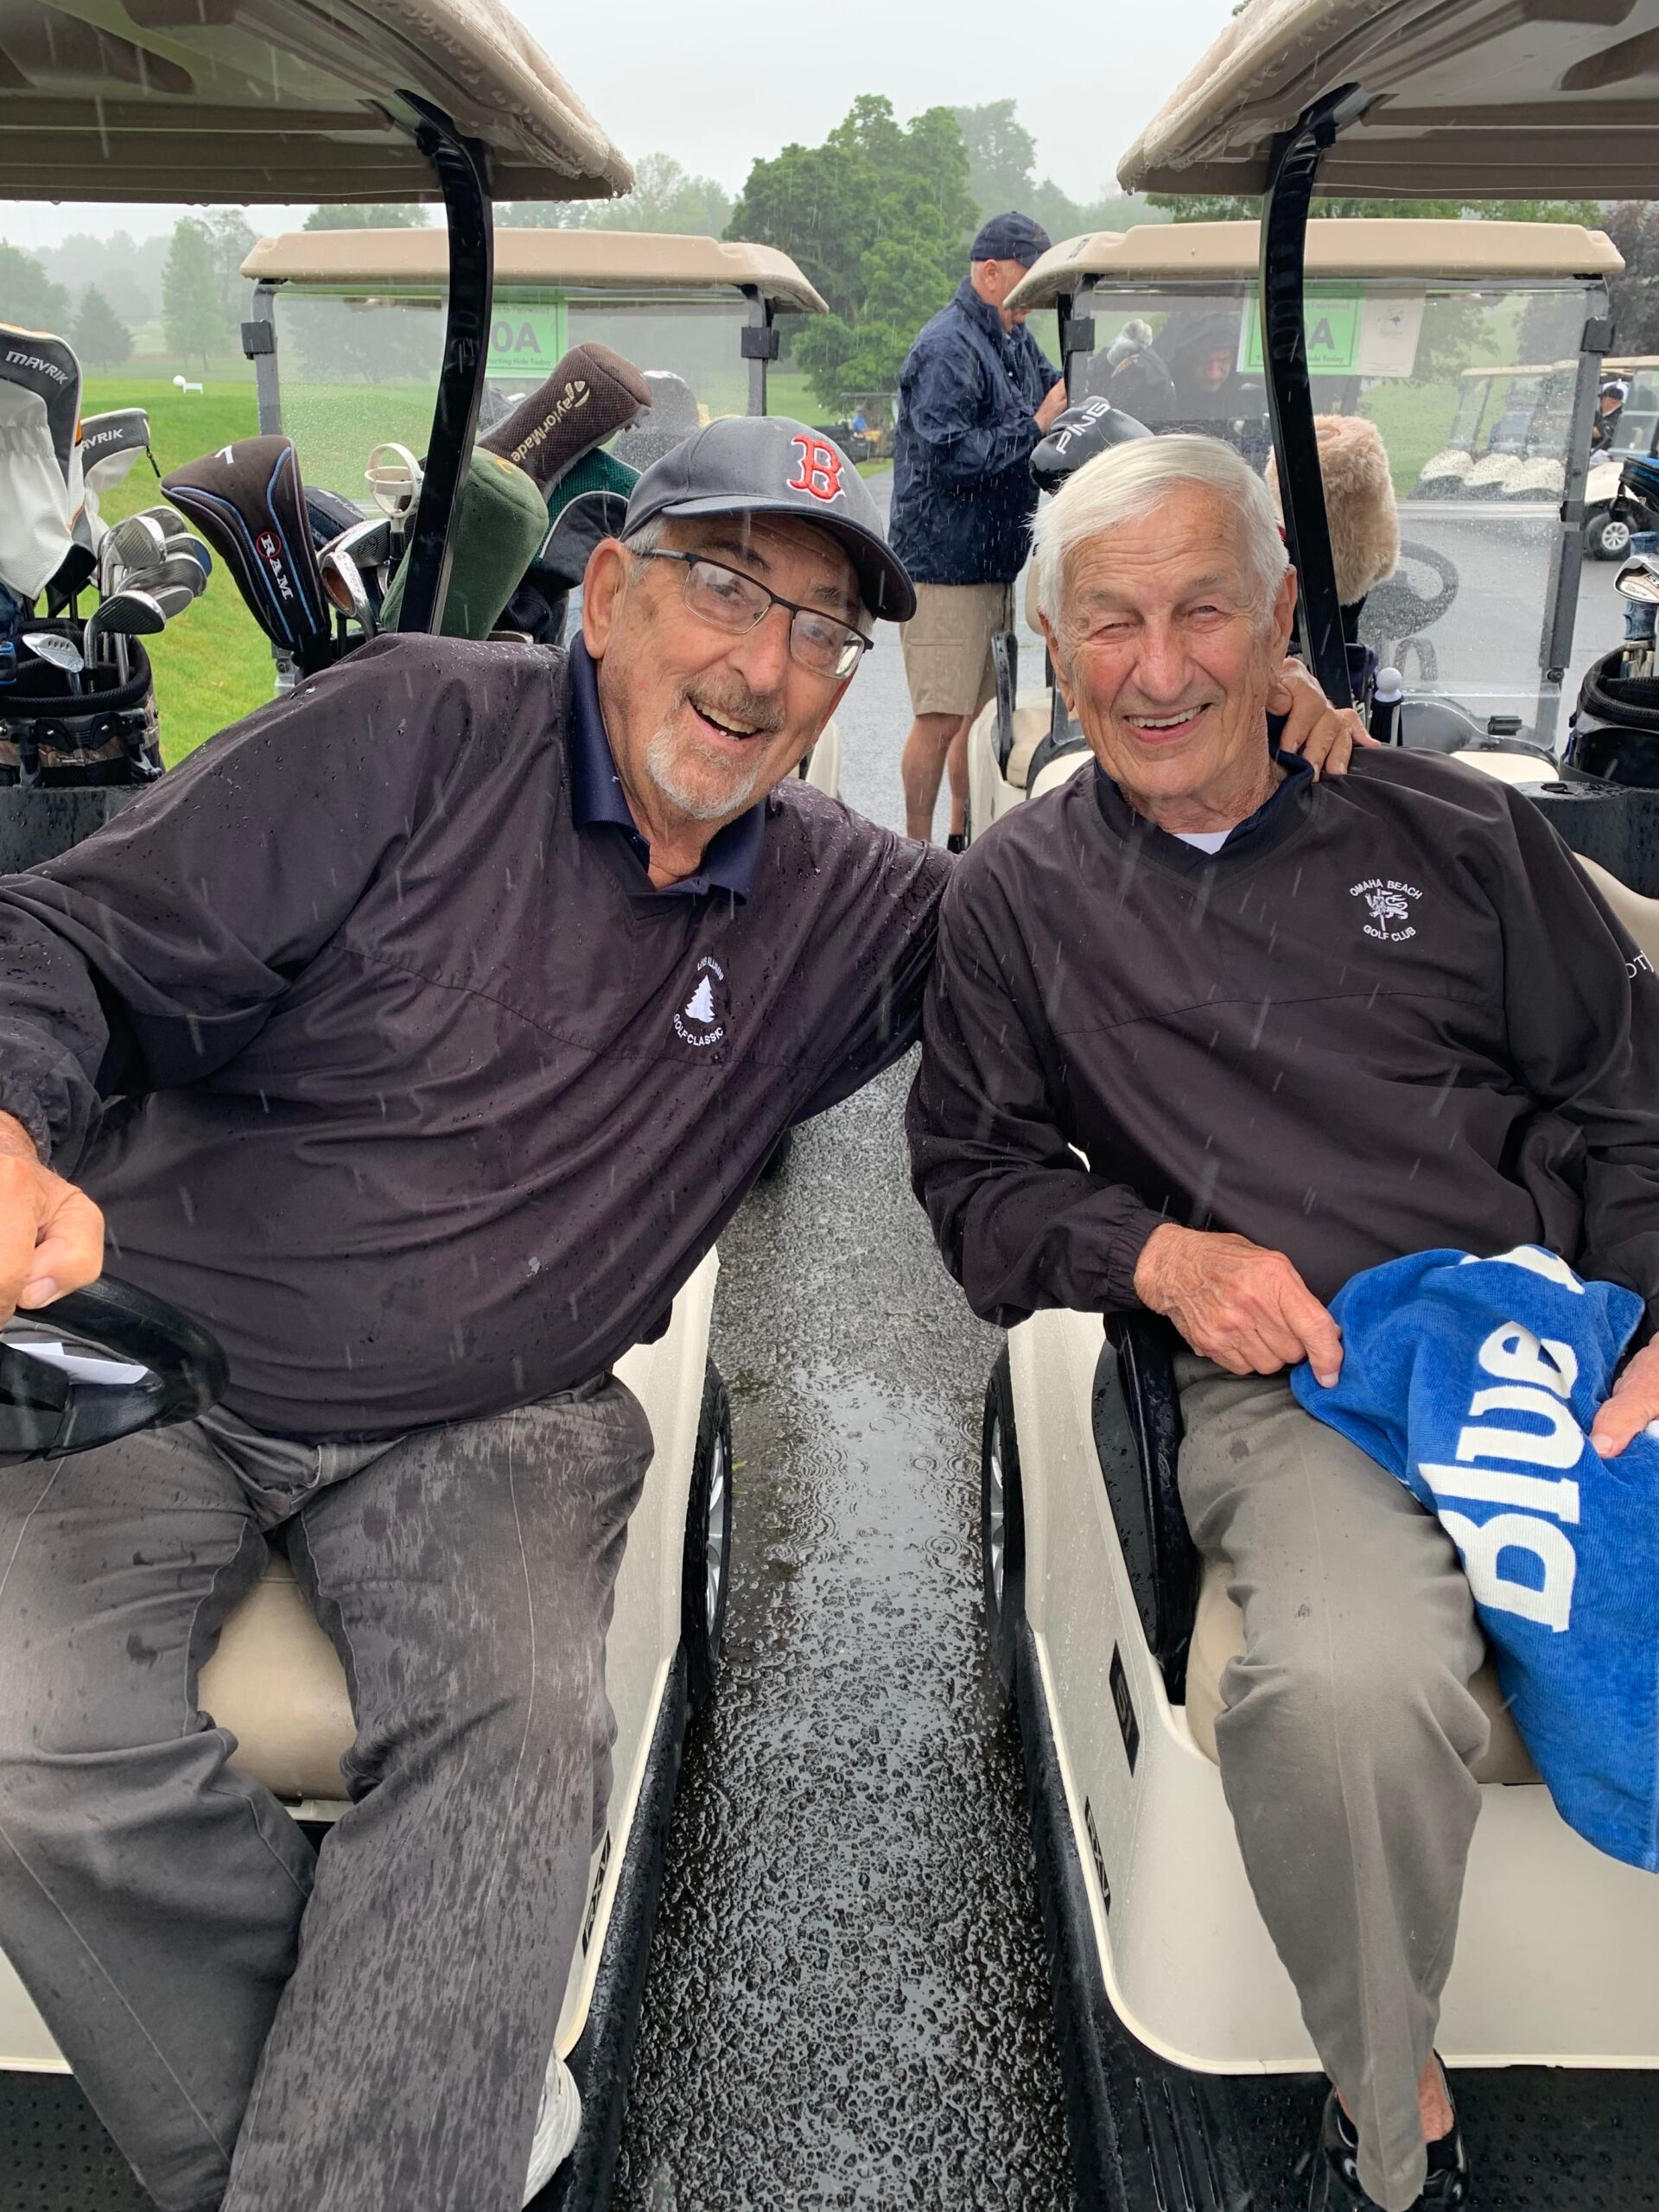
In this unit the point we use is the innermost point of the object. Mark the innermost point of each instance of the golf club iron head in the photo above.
(1639, 580)
(248, 501)
(136, 542)
(172, 599)
(124, 614)
(61, 653)
(343, 581)
(177, 570)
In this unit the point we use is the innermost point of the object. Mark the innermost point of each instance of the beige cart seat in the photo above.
(1219, 1637)
(277, 1684)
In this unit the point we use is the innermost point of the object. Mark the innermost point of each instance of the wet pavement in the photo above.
(848, 2000)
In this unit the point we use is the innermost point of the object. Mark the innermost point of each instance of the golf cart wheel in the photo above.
(1606, 537)
(1001, 1525)
(706, 1567)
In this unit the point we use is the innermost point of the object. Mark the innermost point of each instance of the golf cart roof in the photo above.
(285, 100)
(602, 260)
(1469, 99)
(1371, 246)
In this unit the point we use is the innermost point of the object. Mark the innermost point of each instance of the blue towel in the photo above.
(1476, 1382)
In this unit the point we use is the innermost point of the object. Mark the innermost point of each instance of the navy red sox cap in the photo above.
(771, 465)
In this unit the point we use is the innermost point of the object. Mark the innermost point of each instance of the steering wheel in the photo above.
(49, 1408)
(1394, 609)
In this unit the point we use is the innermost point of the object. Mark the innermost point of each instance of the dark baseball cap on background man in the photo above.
(771, 465)
(1011, 237)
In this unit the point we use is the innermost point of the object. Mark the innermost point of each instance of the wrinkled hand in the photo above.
(51, 1234)
(1237, 1303)
(1325, 735)
(1053, 406)
(1634, 1403)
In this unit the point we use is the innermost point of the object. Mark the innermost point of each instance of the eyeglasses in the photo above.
(731, 601)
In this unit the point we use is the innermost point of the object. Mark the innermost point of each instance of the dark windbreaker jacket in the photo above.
(963, 498)
(1389, 1015)
(403, 1080)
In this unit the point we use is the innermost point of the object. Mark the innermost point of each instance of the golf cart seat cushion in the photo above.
(1031, 720)
(1640, 916)
(1059, 769)
(277, 1684)
(1219, 1637)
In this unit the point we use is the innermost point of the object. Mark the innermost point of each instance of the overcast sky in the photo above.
(717, 82)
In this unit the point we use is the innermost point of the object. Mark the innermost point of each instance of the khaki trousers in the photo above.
(1347, 1736)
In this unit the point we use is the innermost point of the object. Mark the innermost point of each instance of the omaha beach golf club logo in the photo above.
(700, 1020)
(1389, 904)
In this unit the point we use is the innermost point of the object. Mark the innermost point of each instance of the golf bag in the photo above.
(1615, 726)
(51, 739)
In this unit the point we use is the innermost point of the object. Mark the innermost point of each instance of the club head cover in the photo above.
(500, 521)
(42, 363)
(329, 512)
(110, 443)
(1077, 436)
(248, 501)
(591, 395)
(582, 523)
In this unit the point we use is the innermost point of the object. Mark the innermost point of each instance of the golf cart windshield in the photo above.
(1465, 356)
(358, 322)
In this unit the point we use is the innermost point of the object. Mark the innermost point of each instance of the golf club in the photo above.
(172, 599)
(124, 614)
(57, 652)
(138, 541)
(343, 581)
(177, 570)
(248, 501)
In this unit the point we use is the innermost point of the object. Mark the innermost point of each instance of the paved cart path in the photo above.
(848, 2000)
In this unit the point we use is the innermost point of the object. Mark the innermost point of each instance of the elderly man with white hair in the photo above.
(1295, 1027)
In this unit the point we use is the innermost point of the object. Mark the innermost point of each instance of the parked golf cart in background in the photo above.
(407, 102)
(1482, 607)
(1607, 534)
(346, 337)
(1191, 2079)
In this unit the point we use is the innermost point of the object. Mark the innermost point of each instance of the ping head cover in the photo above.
(248, 500)
(590, 394)
(1077, 436)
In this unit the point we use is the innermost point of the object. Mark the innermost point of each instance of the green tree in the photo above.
(369, 215)
(1633, 226)
(665, 197)
(230, 239)
(879, 217)
(28, 296)
(192, 313)
(1001, 158)
(99, 336)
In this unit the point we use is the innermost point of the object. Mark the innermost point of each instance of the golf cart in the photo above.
(1191, 2080)
(346, 339)
(401, 101)
(1394, 309)
(1607, 535)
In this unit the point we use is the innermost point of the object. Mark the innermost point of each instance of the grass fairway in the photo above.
(213, 665)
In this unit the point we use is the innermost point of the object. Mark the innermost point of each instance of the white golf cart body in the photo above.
(1635, 435)
(276, 1683)
(1174, 2011)
(287, 101)
(1388, 299)
(347, 331)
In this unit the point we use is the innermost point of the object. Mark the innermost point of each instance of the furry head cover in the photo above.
(1359, 501)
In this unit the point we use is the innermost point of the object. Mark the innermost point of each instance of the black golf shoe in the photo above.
(956, 842)
(1336, 2172)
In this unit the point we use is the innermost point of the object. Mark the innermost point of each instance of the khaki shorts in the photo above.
(947, 645)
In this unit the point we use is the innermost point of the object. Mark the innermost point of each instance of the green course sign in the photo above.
(526, 340)
(1332, 323)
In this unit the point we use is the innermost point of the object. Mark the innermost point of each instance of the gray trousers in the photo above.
(364, 2031)
(1346, 1739)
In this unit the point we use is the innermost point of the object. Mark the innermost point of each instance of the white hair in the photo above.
(1127, 483)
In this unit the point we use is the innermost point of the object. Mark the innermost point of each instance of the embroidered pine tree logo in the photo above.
(700, 1006)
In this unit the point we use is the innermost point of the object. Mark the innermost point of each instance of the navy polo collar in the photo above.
(1276, 816)
(982, 313)
(731, 856)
